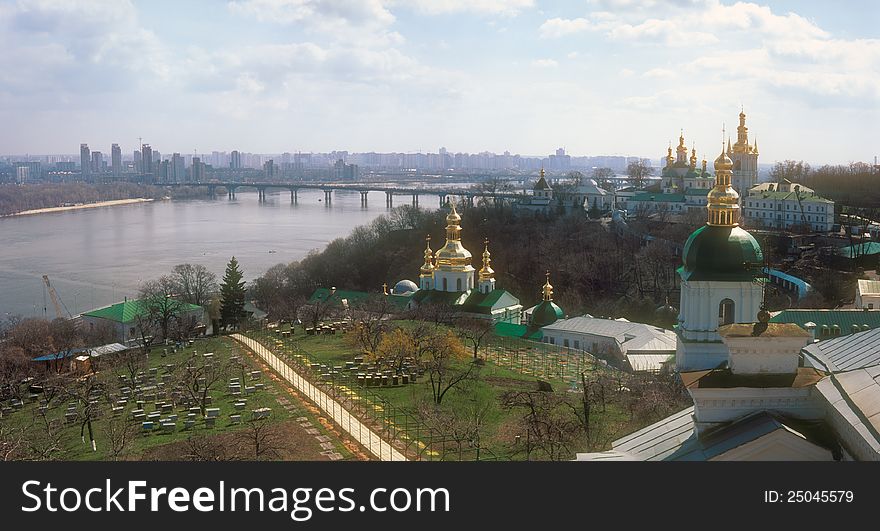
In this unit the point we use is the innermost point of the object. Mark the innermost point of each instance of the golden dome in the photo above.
(547, 289)
(723, 162)
(453, 255)
(428, 266)
(486, 272)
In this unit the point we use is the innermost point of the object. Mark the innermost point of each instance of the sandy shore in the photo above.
(115, 202)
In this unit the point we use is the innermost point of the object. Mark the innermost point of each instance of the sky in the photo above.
(597, 77)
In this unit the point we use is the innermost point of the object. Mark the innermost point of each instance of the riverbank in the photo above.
(115, 202)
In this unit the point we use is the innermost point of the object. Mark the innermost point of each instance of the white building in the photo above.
(868, 294)
(720, 277)
(643, 347)
(785, 206)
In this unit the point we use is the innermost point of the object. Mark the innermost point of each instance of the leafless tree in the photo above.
(262, 440)
(196, 377)
(201, 448)
(119, 434)
(553, 424)
(160, 304)
(370, 318)
(193, 283)
(639, 172)
(474, 331)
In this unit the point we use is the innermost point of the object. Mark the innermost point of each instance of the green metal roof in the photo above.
(546, 313)
(721, 253)
(659, 197)
(844, 319)
(518, 330)
(128, 311)
(336, 297)
(861, 249)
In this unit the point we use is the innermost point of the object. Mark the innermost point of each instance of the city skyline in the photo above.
(612, 77)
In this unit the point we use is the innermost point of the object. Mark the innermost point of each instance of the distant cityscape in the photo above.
(150, 165)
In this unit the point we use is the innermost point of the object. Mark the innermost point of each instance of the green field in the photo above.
(501, 435)
(164, 445)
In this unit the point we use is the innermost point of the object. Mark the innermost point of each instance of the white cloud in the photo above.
(560, 27)
(545, 63)
(491, 7)
(662, 73)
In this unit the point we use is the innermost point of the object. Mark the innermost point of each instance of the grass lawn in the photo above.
(501, 426)
(148, 445)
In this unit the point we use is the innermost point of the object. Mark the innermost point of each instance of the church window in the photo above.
(445, 288)
(458, 284)
(725, 312)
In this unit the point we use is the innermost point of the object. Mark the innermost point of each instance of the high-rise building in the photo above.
(116, 160)
(97, 162)
(178, 171)
(235, 160)
(269, 169)
(85, 161)
(146, 159)
(137, 162)
(198, 170)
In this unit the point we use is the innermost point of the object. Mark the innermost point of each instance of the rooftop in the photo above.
(869, 287)
(805, 197)
(631, 336)
(129, 310)
(854, 351)
(843, 319)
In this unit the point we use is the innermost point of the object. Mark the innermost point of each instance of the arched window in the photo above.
(458, 284)
(444, 284)
(725, 312)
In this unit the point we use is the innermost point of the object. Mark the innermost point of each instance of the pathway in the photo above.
(359, 431)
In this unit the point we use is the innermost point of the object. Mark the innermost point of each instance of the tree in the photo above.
(159, 304)
(551, 421)
(638, 172)
(232, 295)
(262, 440)
(119, 434)
(445, 361)
(370, 321)
(193, 283)
(474, 331)
(603, 177)
(790, 170)
(196, 377)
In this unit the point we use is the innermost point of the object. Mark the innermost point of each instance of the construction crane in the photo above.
(56, 301)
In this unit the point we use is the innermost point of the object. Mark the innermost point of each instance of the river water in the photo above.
(95, 257)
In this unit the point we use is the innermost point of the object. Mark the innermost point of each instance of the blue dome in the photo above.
(405, 286)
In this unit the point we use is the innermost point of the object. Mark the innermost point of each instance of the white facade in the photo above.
(701, 313)
(868, 294)
(786, 205)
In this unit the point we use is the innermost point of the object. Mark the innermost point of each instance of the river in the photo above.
(96, 257)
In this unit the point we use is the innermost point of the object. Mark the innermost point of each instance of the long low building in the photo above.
(786, 206)
(125, 318)
(643, 347)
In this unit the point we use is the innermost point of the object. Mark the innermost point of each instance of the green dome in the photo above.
(546, 313)
(721, 253)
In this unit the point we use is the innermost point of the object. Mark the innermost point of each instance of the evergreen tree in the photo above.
(232, 295)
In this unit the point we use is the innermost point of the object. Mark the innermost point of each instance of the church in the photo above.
(447, 277)
(755, 398)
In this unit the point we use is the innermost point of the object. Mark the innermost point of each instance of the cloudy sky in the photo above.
(594, 76)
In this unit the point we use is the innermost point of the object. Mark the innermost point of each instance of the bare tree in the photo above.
(552, 422)
(639, 172)
(119, 434)
(197, 377)
(474, 331)
(193, 283)
(445, 362)
(263, 440)
(207, 449)
(159, 304)
(603, 177)
(370, 321)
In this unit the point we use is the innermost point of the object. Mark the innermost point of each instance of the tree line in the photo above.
(18, 198)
